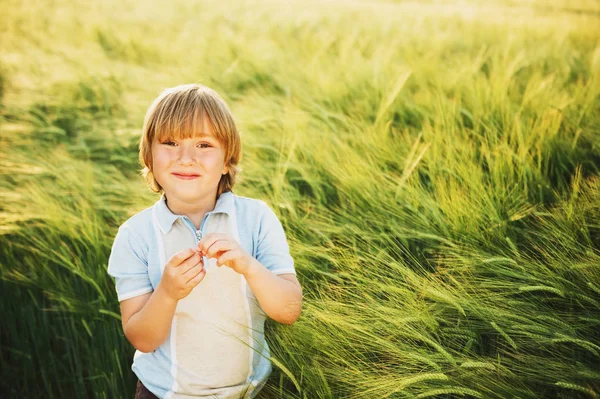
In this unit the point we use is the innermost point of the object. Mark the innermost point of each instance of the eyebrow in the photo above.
(198, 136)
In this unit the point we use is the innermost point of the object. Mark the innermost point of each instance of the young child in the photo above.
(198, 272)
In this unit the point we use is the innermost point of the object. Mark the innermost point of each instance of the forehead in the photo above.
(192, 127)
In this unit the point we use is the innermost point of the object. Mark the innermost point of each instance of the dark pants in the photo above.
(141, 392)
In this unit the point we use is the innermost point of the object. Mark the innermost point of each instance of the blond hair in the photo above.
(179, 112)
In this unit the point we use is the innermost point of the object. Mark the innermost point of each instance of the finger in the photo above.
(209, 239)
(182, 255)
(226, 257)
(219, 246)
(194, 281)
(193, 271)
(191, 263)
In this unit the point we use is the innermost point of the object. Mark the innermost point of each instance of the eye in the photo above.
(168, 142)
(204, 145)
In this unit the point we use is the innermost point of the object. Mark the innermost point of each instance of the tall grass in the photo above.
(435, 166)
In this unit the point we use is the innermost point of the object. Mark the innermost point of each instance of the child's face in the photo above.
(189, 169)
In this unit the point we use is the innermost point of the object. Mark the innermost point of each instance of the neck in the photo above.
(195, 210)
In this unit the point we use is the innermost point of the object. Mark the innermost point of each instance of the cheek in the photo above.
(155, 162)
(160, 158)
(216, 160)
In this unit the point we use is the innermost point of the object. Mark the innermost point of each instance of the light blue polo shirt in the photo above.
(216, 347)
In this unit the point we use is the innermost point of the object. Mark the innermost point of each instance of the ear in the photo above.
(225, 170)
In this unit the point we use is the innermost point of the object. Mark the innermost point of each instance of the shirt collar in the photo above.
(166, 218)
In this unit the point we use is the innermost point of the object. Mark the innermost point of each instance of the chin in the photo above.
(191, 193)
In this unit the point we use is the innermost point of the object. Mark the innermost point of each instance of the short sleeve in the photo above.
(128, 264)
(272, 248)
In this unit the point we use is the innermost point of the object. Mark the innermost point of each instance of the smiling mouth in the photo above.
(185, 177)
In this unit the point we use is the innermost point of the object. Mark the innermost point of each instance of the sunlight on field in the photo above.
(435, 166)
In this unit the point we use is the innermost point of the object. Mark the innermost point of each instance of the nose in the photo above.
(186, 154)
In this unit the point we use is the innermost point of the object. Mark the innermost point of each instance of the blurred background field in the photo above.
(435, 166)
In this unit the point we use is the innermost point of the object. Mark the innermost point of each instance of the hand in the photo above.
(227, 251)
(183, 272)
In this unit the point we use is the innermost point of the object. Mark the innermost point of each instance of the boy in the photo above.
(198, 272)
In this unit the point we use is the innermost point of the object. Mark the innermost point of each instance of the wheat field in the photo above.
(435, 165)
